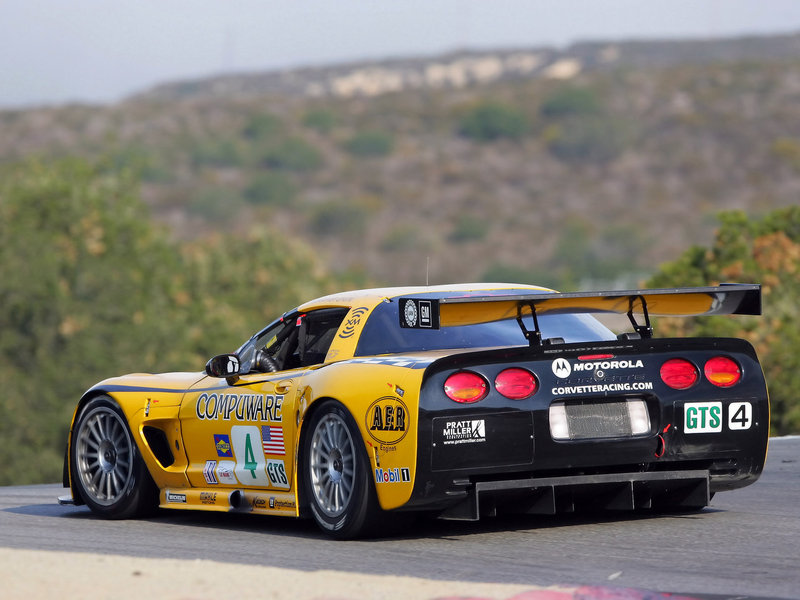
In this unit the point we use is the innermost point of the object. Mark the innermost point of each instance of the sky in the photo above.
(100, 51)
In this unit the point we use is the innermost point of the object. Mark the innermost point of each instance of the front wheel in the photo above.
(336, 474)
(107, 469)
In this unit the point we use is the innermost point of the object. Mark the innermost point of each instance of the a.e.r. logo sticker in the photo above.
(387, 420)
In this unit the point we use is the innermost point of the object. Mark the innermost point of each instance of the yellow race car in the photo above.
(458, 401)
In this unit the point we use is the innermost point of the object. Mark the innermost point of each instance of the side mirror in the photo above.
(224, 365)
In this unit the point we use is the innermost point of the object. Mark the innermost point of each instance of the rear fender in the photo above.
(384, 406)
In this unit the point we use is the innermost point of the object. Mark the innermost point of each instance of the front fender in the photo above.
(151, 405)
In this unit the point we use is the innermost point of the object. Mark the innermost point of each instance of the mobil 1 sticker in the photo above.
(709, 417)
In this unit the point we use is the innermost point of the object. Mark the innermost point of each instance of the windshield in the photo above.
(382, 333)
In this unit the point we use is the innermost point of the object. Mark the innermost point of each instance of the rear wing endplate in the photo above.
(726, 299)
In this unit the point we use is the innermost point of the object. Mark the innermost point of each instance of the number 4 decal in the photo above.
(740, 415)
(251, 466)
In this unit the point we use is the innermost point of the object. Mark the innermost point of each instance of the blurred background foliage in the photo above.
(764, 250)
(580, 182)
(151, 234)
(91, 286)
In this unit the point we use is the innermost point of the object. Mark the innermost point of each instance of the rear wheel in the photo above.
(107, 469)
(337, 474)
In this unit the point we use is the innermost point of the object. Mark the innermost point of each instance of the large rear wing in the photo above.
(726, 299)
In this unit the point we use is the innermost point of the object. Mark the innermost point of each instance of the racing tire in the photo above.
(336, 475)
(107, 469)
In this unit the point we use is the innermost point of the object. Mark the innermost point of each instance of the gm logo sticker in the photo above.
(561, 368)
(418, 314)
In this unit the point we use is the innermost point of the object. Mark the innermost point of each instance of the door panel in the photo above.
(242, 435)
(245, 435)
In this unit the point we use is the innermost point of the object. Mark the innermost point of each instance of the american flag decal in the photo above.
(272, 436)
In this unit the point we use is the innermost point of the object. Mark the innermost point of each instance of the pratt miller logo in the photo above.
(464, 432)
(561, 368)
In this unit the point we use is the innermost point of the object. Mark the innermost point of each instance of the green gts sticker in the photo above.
(708, 417)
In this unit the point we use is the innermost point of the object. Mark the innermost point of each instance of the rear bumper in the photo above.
(501, 454)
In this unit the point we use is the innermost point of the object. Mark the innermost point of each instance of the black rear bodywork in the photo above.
(499, 454)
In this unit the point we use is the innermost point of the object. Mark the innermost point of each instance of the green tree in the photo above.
(593, 138)
(339, 217)
(765, 251)
(292, 154)
(490, 121)
(320, 119)
(469, 228)
(370, 143)
(262, 126)
(271, 188)
(217, 153)
(580, 129)
(570, 100)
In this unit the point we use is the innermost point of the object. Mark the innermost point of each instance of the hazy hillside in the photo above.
(565, 167)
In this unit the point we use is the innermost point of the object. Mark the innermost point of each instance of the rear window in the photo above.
(382, 333)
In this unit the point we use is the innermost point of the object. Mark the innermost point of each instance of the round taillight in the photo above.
(679, 374)
(465, 387)
(515, 383)
(722, 371)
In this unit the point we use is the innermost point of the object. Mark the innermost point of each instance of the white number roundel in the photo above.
(251, 465)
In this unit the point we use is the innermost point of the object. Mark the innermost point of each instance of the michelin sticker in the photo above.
(174, 498)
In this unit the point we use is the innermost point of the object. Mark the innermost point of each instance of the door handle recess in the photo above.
(283, 386)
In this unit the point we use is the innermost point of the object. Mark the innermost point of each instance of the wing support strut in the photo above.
(534, 337)
(646, 330)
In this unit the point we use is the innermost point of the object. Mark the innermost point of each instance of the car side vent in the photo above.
(157, 440)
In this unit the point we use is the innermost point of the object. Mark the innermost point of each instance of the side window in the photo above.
(303, 339)
(317, 331)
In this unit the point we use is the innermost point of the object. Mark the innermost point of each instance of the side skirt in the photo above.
(225, 500)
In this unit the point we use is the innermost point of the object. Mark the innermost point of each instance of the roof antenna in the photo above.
(427, 270)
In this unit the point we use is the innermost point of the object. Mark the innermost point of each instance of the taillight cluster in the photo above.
(513, 383)
(681, 374)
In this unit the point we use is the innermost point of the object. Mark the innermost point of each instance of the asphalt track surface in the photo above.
(745, 545)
